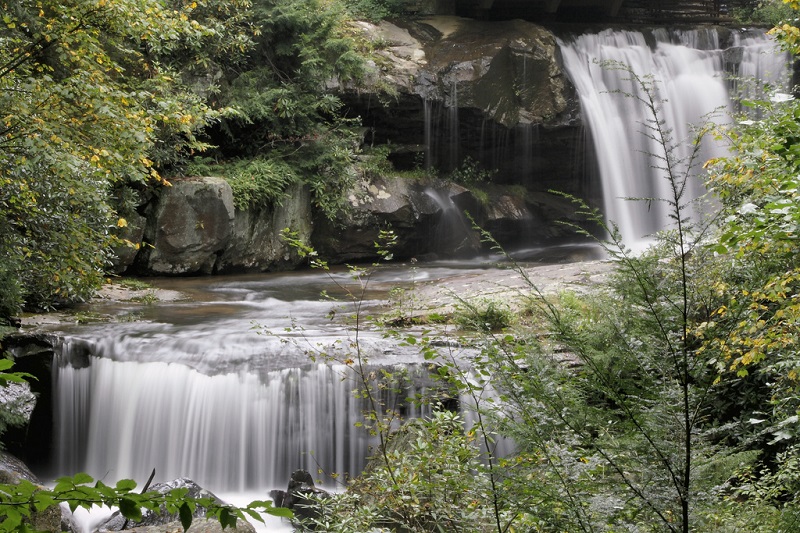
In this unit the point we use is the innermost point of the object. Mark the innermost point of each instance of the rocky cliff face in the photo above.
(446, 87)
(442, 92)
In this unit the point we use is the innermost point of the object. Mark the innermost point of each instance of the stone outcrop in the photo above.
(192, 231)
(509, 71)
(190, 225)
(13, 471)
(451, 93)
(446, 87)
(435, 219)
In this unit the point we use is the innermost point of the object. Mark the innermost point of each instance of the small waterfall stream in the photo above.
(690, 70)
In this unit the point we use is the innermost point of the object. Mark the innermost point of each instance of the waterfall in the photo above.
(690, 70)
(228, 432)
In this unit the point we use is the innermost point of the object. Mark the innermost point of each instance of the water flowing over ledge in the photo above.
(232, 432)
(697, 79)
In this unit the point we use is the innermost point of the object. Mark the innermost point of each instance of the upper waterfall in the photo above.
(695, 80)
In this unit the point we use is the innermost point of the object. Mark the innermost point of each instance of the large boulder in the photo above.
(189, 226)
(13, 471)
(256, 245)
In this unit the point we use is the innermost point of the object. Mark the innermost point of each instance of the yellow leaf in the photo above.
(122, 223)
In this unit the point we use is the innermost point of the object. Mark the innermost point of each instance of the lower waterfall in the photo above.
(229, 432)
(696, 79)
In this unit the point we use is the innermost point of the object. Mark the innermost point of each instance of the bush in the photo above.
(429, 480)
(483, 315)
(257, 182)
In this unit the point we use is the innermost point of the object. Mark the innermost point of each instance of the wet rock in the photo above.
(12, 471)
(423, 216)
(300, 495)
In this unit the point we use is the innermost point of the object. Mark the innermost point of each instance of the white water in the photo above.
(691, 81)
(228, 432)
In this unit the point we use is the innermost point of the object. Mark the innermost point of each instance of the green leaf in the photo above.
(130, 509)
(227, 518)
(185, 514)
(126, 485)
(281, 512)
(82, 478)
(12, 521)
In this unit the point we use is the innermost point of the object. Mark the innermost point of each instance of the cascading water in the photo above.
(232, 432)
(222, 388)
(690, 70)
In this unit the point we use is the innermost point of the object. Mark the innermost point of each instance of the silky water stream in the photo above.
(695, 79)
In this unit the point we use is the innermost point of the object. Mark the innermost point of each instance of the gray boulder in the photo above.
(189, 226)
(255, 244)
(12, 471)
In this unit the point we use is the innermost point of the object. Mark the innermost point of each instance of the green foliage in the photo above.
(285, 112)
(257, 182)
(428, 483)
(91, 95)
(766, 12)
(752, 333)
(483, 315)
(374, 161)
(18, 502)
(470, 173)
(375, 10)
